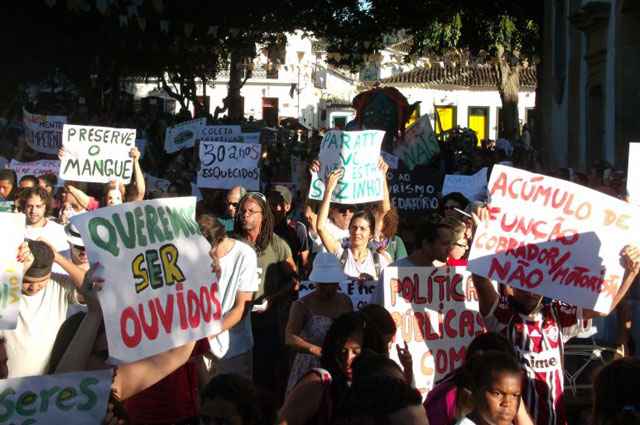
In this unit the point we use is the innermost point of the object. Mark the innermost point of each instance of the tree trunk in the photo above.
(233, 101)
(509, 86)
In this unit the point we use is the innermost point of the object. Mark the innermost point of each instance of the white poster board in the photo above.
(224, 165)
(437, 314)
(633, 173)
(554, 238)
(12, 228)
(159, 291)
(78, 398)
(97, 154)
(358, 153)
(361, 293)
(183, 135)
(43, 133)
(221, 133)
(35, 168)
(473, 187)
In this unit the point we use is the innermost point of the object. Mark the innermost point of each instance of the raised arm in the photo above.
(386, 198)
(76, 356)
(132, 378)
(630, 258)
(76, 274)
(487, 295)
(330, 243)
(82, 198)
(138, 175)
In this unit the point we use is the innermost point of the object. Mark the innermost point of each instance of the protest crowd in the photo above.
(184, 280)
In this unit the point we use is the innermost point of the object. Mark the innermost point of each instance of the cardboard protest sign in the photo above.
(415, 192)
(437, 314)
(183, 135)
(43, 132)
(97, 154)
(12, 228)
(633, 173)
(35, 168)
(156, 184)
(554, 238)
(224, 165)
(358, 153)
(159, 291)
(473, 187)
(251, 137)
(78, 398)
(361, 294)
(221, 133)
(419, 145)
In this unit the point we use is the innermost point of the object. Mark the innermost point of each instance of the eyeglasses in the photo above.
(248, 212)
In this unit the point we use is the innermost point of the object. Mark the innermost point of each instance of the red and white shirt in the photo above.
(538, 339)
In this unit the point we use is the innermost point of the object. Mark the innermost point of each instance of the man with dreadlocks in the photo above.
(277, 279)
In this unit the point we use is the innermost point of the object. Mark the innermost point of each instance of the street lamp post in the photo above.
(300, 56)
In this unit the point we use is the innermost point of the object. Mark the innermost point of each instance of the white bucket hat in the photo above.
(327, 269)
(73, 235)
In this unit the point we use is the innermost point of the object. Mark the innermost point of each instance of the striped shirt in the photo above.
(538, 339)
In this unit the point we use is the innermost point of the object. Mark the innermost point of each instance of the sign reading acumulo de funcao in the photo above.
(68, 398)
(159, 290)
(554, 238)
(358, 153)
(224, 165)
(97, 154)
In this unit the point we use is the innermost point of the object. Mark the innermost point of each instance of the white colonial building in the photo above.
(304, 86)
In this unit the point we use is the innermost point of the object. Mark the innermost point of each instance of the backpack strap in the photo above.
(376, 263)
(344, 257)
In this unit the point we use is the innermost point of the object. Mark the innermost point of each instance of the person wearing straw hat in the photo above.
(312, 315)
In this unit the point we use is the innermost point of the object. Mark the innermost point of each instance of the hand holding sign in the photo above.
(332, 180)
(630, 256)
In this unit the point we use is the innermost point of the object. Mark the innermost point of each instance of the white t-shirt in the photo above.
(53, 233)
(238, 273)
(465, 421)
(354, 269)
(337, 233)
(39, 319)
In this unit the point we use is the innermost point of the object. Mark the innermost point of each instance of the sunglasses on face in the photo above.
(78, 248)
(233, 204)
